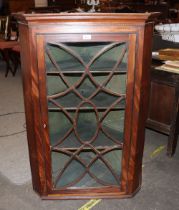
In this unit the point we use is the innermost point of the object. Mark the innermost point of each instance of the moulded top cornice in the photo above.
(85, 17)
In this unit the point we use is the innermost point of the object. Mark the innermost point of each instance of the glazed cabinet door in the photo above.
(86, 106)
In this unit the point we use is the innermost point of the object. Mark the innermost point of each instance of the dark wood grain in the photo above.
(20, 5)
(161, 96)
(164, 108)
(136, 29)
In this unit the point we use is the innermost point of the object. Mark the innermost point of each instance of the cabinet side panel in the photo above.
(28, 103)
(160, 106)
(141, 101)
(129, 110)
(44, 109)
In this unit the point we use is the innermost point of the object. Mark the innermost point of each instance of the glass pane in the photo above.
(113, 124)
(86, 86)
(86, 125)
(98, 175)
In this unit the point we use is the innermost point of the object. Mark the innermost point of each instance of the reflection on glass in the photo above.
(86, 86)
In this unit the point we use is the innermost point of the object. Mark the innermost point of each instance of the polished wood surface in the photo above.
(34, 30)
(163, 114)
(20, 5)
(164, 106)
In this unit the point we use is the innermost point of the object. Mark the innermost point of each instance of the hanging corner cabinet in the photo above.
(86, 86)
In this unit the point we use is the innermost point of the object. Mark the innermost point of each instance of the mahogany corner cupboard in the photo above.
(86, 87)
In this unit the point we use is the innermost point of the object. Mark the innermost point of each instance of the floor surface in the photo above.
(160, 186)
